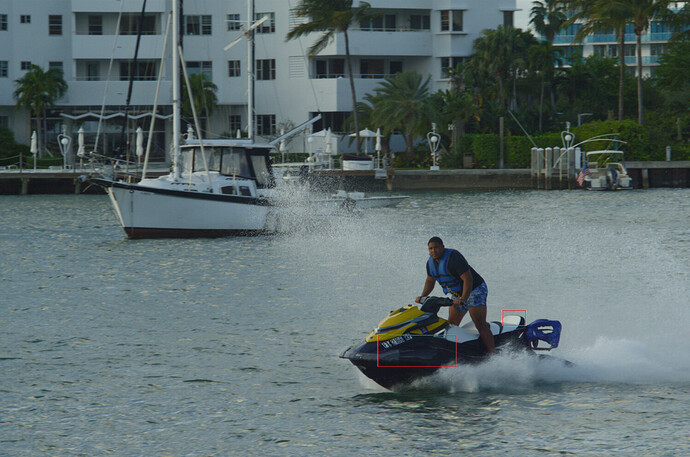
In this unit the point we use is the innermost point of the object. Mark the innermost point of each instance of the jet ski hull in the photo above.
(410, 357)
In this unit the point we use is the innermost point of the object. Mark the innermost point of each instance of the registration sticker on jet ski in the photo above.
(383, 359)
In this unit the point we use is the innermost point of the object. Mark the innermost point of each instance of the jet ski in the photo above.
(413, 342)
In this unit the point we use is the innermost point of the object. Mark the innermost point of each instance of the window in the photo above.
(25, 19)
(451, 20)
(143, 71)
(54, 25)
(129, 24)
(25, 65)
(93, 71)
(330, 68)
(265, 124)
(659, 27)
(372, 68)
(198, 25)
(448, 63)
(235, 123)
(95, 25)
(269, 26)
(201, 68)
(396, 66)
(4, 121)
(265, 69)
(333, 119)
(233, 68)
(233, 21)
(56, 65)
(420, 22)
(630, 50)
(508, 19)
(3, 68)
(3, 22)
(656, 49)
(386, 22)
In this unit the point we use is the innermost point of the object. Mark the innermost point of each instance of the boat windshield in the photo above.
(263, 175)
(193, 160)
(235, 163)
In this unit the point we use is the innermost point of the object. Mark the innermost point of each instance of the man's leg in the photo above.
(455, 316)
(478, 315)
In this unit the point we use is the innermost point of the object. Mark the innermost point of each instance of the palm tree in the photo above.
(502, 54)
(402, 102)
(642, 12)
(542, 58)
(204, 95)
(547, 18)
(331, 17)
(617, 13)
(594, 16)
(38, 91)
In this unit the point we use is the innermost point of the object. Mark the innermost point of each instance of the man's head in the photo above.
(435, 248)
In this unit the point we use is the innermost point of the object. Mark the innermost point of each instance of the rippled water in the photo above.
(230, 346)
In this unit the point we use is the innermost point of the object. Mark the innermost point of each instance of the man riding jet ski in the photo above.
(412, 343)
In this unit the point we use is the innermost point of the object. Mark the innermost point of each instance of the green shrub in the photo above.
(637, 145)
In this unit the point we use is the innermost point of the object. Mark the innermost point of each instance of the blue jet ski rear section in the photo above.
(412, 343)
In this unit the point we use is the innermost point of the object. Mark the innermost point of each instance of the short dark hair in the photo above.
(435, 239)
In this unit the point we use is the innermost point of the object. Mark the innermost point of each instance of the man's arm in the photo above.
(466, 288)
(428, 287)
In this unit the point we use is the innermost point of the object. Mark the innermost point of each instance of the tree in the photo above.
(501, 54)
(542, 58)
(595, 16)
(547, 18)
(331, 17)
(38, 91)
(617, 13)
(204, 95)
(674, 67)
(402, 102)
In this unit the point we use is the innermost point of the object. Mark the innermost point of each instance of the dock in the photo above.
(674, 174)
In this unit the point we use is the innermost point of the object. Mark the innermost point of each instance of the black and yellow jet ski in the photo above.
(412, 343)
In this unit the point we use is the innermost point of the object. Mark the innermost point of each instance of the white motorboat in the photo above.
(231, 197)
(215, 188)
(360, 200)
(606, 171)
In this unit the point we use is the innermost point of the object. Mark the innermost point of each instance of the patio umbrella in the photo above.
(140, 142)
(34, 147)
(80, 142)
(366, 133)
(328, 141)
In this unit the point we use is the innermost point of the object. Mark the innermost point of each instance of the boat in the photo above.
(606, 171)
(360, 200)
(217, 187)
(223, 189)
(413, 343)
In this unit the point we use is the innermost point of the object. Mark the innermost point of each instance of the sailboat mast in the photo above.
(176, 88)
(250, 70)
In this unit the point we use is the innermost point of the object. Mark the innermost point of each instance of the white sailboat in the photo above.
(216, 187)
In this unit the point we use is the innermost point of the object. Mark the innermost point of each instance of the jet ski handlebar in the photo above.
(434, 304)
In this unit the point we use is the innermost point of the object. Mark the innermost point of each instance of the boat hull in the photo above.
(147, 212)
(420, 356)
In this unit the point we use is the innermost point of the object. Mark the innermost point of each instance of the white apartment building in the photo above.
(83, 37)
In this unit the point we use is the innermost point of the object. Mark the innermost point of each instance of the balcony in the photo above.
(335, 95)
(400, 42)
(83, 93)
(101, 46)
(113, 6)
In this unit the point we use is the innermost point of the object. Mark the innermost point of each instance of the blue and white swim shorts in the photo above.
(477, 298)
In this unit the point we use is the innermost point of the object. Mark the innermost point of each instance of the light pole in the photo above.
(434, 140)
